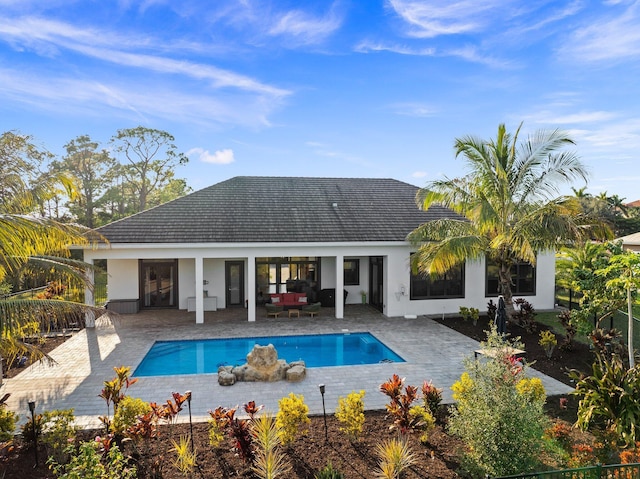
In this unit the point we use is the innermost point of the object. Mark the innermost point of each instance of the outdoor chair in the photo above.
(312, 309)
(273, 309)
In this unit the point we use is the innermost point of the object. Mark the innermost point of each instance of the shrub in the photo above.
(328, 472)
(492, 309)
(548, 342)
(582, 455)
(394, 457)
(8, 421)
(185, 456)
(112, 392)
(269, 462)
(469, 313)
(27, 429)
(129, 409)
(86, 463)
(532, 389)
(561, 433)
(525, 315)
(432, 397)
(224, 421)
(58, 431)
(217, 426)
(425, 419)
(568, 323)
(631, 455)
(400, 403)
(501, 427)
(292, 417)
(609, 398)
(350, 414)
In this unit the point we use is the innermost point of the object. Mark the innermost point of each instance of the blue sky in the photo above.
(349, 88)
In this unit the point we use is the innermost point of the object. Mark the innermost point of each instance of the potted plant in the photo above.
(363, 295)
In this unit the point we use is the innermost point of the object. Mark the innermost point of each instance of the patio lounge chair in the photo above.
(273, 309)
(312, 309)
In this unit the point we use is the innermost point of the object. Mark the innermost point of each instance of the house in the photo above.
(630, 242)
(234, 243)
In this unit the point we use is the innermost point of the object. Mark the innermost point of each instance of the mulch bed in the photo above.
(438, 457)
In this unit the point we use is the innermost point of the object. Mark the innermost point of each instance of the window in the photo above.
(449, 285)
(523, 279)
(351, 272)
(277, 275)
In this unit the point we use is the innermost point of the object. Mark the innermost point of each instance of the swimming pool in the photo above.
(200, 356)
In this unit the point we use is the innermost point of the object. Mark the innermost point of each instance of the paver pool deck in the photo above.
(431, 351)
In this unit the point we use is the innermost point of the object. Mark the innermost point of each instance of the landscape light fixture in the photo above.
(324, 413)
(32, 408)
(188, 394)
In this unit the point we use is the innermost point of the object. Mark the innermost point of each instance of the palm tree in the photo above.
(580, 192)
(30, 244)
(507, 205)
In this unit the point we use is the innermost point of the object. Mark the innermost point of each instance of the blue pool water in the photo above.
(317, 350)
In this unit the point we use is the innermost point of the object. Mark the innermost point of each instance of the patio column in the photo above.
(340, 286)
(89, 316)
(199, 291)
(251, 289)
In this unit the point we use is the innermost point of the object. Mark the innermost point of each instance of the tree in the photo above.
(23, 187)
(150, 157)
(623, 273)
(578, 269)
(38, 243)
(507, 205)
(94, 170)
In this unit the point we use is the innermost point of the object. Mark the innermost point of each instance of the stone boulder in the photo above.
(296, 373)
(262, 365)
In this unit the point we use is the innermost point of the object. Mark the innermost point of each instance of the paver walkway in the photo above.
(431, 351)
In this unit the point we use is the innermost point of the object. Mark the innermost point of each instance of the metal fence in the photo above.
(610, 471)
(619, 320)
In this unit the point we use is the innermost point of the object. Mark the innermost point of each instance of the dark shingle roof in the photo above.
(281, 209)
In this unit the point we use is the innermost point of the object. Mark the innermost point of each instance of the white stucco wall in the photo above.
(123, 273)
(122, 280)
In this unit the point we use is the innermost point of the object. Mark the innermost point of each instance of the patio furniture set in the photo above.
(293, 303)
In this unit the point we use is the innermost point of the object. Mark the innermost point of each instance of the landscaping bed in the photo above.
(438, 457)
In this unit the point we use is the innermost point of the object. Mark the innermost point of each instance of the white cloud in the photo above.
(305, 28)
(367, 46)
(444, 17)
(573, 118)
(613, 38)
(220, 157)
(67, 95)
(419, 174)
(418, 110)
(45, 34)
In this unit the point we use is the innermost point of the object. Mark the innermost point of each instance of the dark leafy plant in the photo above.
(525, 315)
(492, 309)
(608, 342)
(28, 429)
(432, 397)
(570, 329)
(223, 420)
